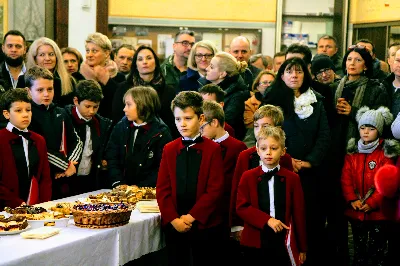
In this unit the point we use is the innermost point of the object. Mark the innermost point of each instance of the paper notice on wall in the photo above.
(161, 42)
(146, 42)
(129, 40)
(216, 38)
(169, 50)
(228, 39)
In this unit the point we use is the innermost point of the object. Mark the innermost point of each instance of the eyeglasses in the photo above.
(322, 71)
(354, 46)
(206, 56)
(186, 43)
(204, 125)
(265, 83)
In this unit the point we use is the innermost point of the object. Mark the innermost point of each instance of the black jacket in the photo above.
(308, 139)
(5, 77)
(99, 135)
(165, 93)
(236, 94)
(189, 82)
(56, 127)
(148, 160)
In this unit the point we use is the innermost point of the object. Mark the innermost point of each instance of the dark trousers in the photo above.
(198, 247)
(369, 242)
(393, 234)
(258, 256)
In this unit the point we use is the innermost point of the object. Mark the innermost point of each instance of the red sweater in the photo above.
(254, 219)
(210, 183)
(9, 186)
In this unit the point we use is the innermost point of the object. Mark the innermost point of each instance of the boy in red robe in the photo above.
(24, 168)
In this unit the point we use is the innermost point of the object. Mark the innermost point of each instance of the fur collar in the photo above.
(391, 147)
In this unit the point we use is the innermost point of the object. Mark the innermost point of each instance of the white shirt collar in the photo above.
(221, 139)
(11, 126)
(80, 116)
(139, 125)
(266, 169)
(195, 137)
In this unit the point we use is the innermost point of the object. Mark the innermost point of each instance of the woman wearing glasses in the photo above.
(199, 59)
(146, 71)
(263, 80)
(307, 139)
(224, 70)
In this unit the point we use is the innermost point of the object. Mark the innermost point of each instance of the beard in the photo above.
(14, 62)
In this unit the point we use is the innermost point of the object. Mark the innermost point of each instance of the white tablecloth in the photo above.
(81, 246)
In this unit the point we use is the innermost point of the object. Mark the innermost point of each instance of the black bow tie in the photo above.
(268, 175)
(188, 142)
(18, 132)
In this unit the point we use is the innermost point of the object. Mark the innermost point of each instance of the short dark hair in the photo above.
(181, 32)
(190, 99)
(14, 33)
(213, 89)
(366, 56)
(127, 46)
(397, 44)
(35, 73)
(278, 54)
(213, 110)
(88, 90)
(300, 49)
(328, 37)
(367, 41)
(147, 101)
(12, 96)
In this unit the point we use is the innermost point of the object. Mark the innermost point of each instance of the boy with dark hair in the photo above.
(93, 130)
(63, 143)
(24, 168)
(190, 187)
(215, 93)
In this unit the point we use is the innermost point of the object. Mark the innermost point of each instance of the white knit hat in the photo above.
(376, 118)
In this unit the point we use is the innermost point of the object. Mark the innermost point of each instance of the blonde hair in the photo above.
(204, 44)
(271, 111)
(272, 132)
(66, 83)
(100, 40)
(229, 64)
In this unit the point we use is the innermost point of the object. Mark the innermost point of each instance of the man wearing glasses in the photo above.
(323, 69)
(175, 65)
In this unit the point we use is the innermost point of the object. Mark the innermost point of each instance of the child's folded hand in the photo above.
(180, 225)
(188, 219)
(303, 257)
(365, 208)
(276, 225)
(59, 175)
(71, 169)
(356, 205)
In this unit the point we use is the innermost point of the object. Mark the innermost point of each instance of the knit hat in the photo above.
(320, 62)
(376, 118)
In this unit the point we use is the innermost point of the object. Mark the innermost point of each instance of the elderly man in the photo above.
(391, 53)
(327, 45)
(240, 49)
(175, 65)
(124, 57)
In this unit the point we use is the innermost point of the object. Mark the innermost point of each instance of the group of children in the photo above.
(213, 192)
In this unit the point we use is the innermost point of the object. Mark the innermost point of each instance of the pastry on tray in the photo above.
(63, 207)
(101, 215)
(13, 223)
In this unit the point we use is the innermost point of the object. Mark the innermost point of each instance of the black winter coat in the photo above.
(148, 160)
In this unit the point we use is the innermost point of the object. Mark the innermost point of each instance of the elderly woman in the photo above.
(44, 52)
(72, 60)
(263, 80)
(98, 66)
(146, 71)
(199, 59)
(224, 70)
(307, 137)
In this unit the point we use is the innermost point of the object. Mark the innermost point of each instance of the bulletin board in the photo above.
(154, 35)
(371, 11)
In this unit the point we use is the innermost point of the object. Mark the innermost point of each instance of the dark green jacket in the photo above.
(171, 73)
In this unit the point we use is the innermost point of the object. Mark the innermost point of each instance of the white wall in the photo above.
(308, 7)
(268, 41)
(81, 22)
